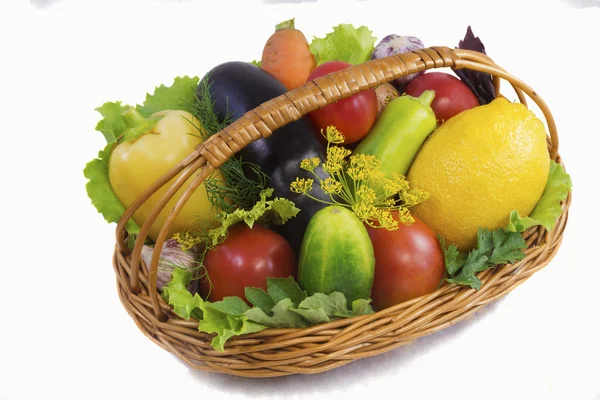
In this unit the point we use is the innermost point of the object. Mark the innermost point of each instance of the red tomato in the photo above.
(452, 96)
(246, 258)
(353, 116)
(409, 263)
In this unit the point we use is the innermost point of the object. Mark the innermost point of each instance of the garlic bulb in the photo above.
(171, 257)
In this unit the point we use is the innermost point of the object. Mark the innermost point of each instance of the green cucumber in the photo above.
(336, 255)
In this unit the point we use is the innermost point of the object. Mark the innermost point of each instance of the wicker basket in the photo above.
(277, 352)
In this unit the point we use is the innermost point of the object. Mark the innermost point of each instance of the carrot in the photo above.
(287, 55)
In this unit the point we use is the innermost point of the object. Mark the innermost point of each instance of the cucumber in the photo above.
(336, 255)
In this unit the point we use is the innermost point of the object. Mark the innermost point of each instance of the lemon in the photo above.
(479, 166)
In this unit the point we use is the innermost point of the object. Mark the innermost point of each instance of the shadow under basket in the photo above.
(277, 352)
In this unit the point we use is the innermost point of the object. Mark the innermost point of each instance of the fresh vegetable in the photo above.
(246, 258)
(409, 263)
(238, 87)
(346, 43)
(548, 209)
(479, 166)
(493, 248)
(385, 93)
(149, 148)
(399, 132)
(283, 305)
(178, 96)
(354, 116)
(336, 255)
(287, 56)
(397, 44)
(172, 256)
(451, 95)
(480, 83)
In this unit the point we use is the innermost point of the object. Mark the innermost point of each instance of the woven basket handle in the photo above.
(262, 121)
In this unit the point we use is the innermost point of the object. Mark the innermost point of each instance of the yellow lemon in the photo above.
(479, 166)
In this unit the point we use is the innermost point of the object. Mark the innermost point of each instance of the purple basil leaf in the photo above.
(480, 83)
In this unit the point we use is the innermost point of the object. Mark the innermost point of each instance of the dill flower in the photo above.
(302, 186)
(357, 182)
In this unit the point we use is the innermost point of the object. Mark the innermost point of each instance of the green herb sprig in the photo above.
(493, 248)
(243, 181)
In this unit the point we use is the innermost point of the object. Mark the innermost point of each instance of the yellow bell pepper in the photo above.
(136, 163)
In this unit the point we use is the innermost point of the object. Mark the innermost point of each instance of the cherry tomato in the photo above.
(247, 257)
(409, 263)
(353, 116)
(452, 96)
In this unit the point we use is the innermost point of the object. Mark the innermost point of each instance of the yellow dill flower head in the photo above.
(366, 194)
(335, 159)
(386, 220)
(367, 162)
(413, 197)
(375, 178)
(364, 211)
(362, 166)
(405, 216)
(301, 185)
(187, 240)
(331, 186)
(309, 164)
(333, 135)
(395, 184)
(336, 154)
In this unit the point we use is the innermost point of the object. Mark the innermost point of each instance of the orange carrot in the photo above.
(287, 55)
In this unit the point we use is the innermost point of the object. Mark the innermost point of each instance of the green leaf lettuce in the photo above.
(548, 209)
(277, 211)
(283, 305)
(345, 43)
(179, 96)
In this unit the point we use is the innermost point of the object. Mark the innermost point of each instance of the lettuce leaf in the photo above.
(226, 318)
(282, 316)
(548, 209)
(98, 186)
(277, 211)
(112, 124)
(177, 294)
(101, 193)
(179, 96)
(283, 305)
(345, 43)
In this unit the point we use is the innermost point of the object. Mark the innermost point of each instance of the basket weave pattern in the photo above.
(276, 352)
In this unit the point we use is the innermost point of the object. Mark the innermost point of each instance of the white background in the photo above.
(63, 331)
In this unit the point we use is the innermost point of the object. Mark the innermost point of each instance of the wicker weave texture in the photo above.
(276, 352)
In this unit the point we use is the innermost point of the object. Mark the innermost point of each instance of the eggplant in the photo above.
(237, 87)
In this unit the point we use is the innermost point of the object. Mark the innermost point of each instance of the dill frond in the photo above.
(243, 181)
